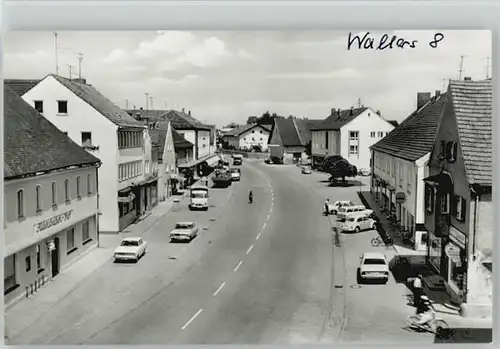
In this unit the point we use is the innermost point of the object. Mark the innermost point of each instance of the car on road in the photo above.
(346, 211)
(130, 249)
(235, 174)
(268, 161)
(364, 172)
(237, 159)
(306, 170)
(333, 208)
(373, 266)
(358, 222)
(184, 231)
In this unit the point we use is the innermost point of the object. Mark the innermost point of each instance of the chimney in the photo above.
(438, 93)
(351, 112)
(467, 78)
(189, 112)
(378, 112)
(338, 112)
(423, 98)
(183, 111)
(332, 111)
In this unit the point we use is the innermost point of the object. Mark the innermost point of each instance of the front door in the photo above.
(55, 258)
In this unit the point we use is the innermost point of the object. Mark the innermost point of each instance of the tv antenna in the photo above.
(460, 71)
(80, 59)
(151, 102)
(147, 100)
(56, 49)
(487, 67)
(70, 70)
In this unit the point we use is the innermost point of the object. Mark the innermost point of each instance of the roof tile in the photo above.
(338, 119)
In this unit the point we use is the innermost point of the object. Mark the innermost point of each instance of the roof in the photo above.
(237, 131)
(159, 136)
(373, 255)
(21, 86)
(99, 102)
(393, 123)
(338, 119)
(472, 106)
(132, 238)
(33, 144)
(303, 127)
(288, 132)
(149, 114)
(180, 141)
(415, 136)
(183, 121)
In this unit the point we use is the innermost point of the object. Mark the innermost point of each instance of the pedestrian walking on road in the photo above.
(327, 202)
(418, 290)
(250, 197)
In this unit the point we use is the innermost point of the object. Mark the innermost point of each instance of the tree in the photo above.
(308, 149)
(231, 125)
(252, 120)
(338, 167)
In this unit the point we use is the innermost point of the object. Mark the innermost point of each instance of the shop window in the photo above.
(445, 203)
(39, 265)
(85, 231)
(54, 194)
(66, 190)
(38, 198)
(78, 193)
(457, 270)
(27, 263)
(20, 203)
(9, 273)
(70, 241)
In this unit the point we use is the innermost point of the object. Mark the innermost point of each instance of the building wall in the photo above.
(189, 135)
(366, 123)
(203, 143)
(255, 136)
(82, 117)
(167, 167)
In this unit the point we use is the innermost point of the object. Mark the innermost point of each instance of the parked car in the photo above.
(237, 159)
(333, 208)
(184, 231)
(373, 266)
(364, 172)
(131, 248)
(306, 170)
(344, 212)
(268, 161)
(235, 174)
(358, 222)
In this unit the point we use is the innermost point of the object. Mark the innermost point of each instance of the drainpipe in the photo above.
(476, 202)
(97, 193)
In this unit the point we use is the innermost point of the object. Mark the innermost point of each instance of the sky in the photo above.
(227, 76)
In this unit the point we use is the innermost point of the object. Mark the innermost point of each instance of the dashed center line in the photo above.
(238, 266)
(249, 249)
(220, 288)
(258, 236)
(264, 226)
(268, 216)
(192, 318)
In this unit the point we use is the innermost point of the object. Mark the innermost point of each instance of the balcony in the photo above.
(90, 147)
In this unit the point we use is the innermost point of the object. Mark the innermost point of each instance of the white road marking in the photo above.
(249, 249)
(192, 318)
(268, 216)
(264, 226)
(238, 266)
(258, 236)
(220, 288)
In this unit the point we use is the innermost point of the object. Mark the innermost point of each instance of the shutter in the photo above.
(454, 148)
(427, 196)
(454, 204)
(442, 149)
(464, 209)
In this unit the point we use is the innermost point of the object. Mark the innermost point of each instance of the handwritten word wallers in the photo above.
(369, 42)
(48, 223)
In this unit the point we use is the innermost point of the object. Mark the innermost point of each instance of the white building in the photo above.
(400, 165)
(248, 136)
(50, 195)
(349, 133)
(108, 132)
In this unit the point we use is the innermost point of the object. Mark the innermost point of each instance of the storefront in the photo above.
(434, 251)
(455, 254)
(126, 207)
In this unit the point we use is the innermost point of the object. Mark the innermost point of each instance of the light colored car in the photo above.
(184, 231)
(358, 222)
(333, 208)
(306, 170)
(344, 212)
(131, 248)
(235, 174)
(364, 172)
(373, 266)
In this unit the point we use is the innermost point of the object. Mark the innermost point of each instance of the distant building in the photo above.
(248, 136)
(349, 133)
(51, 213)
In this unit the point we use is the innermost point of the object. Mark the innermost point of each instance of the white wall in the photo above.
(318, 143)
(255, 136)
(422, 172)
(366, 122)
(82, 117)
(203, 143)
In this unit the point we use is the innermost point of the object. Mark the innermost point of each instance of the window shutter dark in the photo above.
(464, 208)
(454, 152)
(443, 148)
(454, 204)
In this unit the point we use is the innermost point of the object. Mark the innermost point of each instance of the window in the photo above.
(381, 134)
(253, 138)
(386, 133)
(442, 149)
(78, 193)
(445, 203)
(39, 265)
(54, 194)
(353, 135)
(261, 138)
(459, 208)
(66, 133)
(38, 198)
(62, 107)
(326, 140)
(39, 106)
(429, 198)
(451, 151)
(146, 166)
(20, 203)
(372, 134)
(70, 240)
(9, 273)
(85, 231)
(27, 263)
(89, 184)
(66, 190)
(86, 139)
(260, 131)
(353, 150)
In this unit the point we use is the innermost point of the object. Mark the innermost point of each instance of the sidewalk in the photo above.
(26, 311)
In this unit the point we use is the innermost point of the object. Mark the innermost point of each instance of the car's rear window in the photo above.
(350, 219)
(183, 226)
(374, 261)
(129, 243)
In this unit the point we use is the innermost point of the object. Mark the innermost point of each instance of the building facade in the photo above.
(349, 133)
(51, 211)
(105, 130)
(162, 134)
(458, 200)
(248, 136)
(400, 164)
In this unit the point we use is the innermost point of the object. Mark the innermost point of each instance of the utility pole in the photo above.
(56, 48)
(126, 104)
(147, 100)
(461, 67)
(70, 70)
(151, 104)
(80, 59)
(487, 67)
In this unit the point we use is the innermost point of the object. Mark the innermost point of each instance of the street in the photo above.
(257, 273)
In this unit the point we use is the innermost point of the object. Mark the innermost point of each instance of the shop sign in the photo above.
(126, 199)
(453, 253)
(457, 236)
(51, 222)
(400, 198)
(51, 245)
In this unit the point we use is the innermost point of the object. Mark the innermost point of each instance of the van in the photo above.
(345, 211)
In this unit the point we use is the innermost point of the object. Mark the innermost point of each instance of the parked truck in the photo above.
(222, 179)
(198, 198)
(276, 153)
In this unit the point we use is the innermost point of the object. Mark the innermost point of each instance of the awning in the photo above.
(442, 180)
(124, 191)
(190, 164)
(214, 160)
(148, 180)
(390, 187)
(126, 199)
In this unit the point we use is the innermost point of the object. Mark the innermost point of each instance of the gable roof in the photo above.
(21, 86)
(415, 136)
(303, 127)
(180, 141)
(288, 132)
(183, 121)
(472, 106)
(99, 102)
(158, 136)
(238, 130)
(393, 123)
(149, 114)
(33, 144)
(339, 118)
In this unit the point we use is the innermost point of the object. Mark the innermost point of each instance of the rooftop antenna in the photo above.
(80, 59)
(461, 67)
(126, 104)
(444, 85)
(70, 70)
(56, 53)
(147, 100)
(151, 104)
(359, 102)
(165, 104)
(487, 67)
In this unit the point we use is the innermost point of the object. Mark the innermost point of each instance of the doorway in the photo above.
(55, 257)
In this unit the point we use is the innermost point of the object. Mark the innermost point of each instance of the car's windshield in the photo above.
(182, 226)
(350, 219)
(372, 261)
(342, 209)
(129, 243)
(198, 194)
